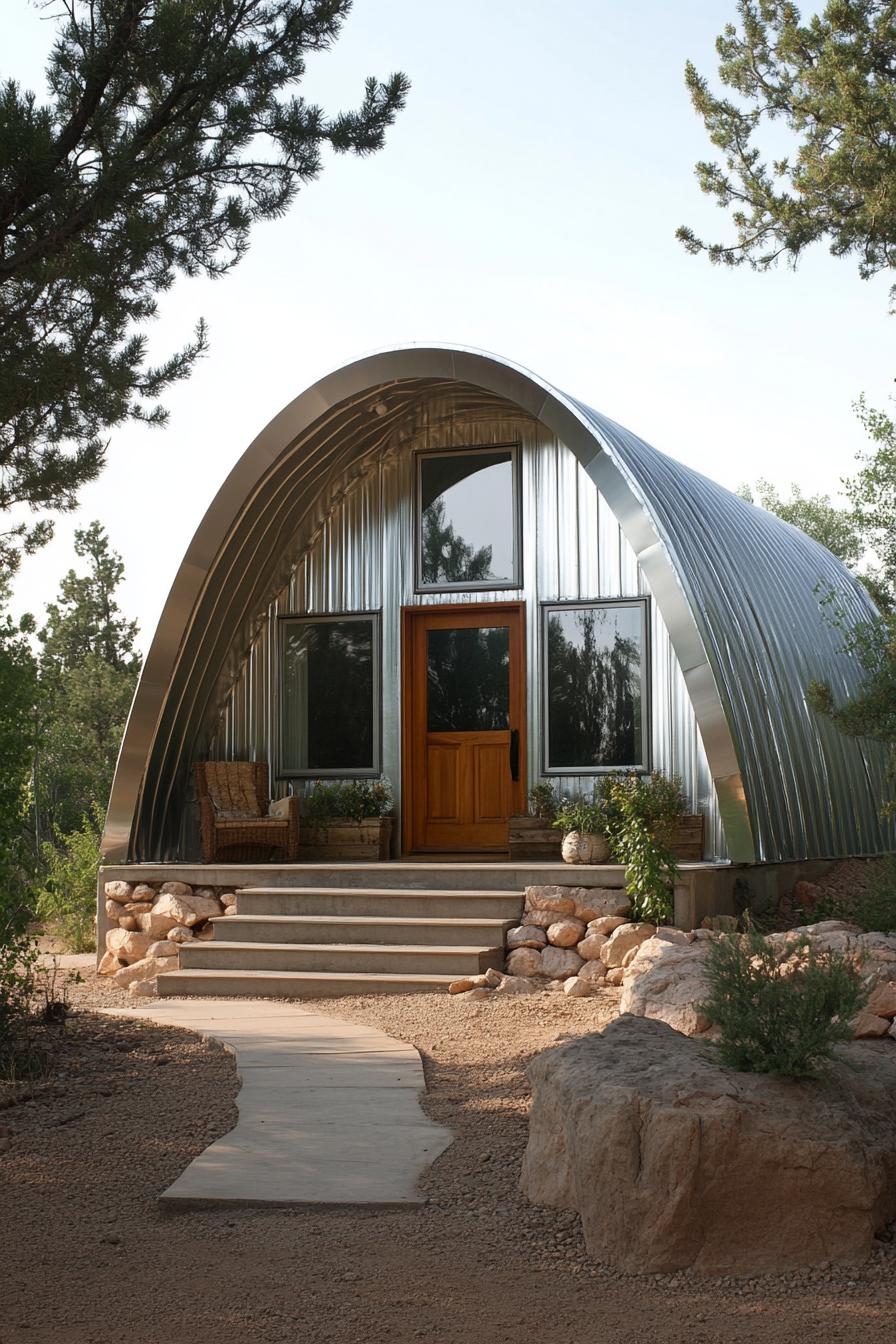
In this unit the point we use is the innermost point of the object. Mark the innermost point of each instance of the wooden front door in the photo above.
(463, 726)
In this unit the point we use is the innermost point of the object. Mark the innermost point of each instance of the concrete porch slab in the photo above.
(328, 1112)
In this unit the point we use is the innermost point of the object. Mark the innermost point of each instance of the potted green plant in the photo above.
(583, 825)
(346, 820)
(532, 834)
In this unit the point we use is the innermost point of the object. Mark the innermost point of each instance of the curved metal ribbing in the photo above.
(735, 586)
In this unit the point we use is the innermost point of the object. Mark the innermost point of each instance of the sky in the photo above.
(525, 203)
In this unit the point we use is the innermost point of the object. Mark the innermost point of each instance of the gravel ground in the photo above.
(88, 1257)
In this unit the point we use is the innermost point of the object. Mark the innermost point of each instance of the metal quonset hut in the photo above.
(434, 541)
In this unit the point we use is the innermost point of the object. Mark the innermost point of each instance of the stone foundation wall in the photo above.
(149, 921)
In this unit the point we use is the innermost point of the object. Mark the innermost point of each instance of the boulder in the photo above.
(493, 977)
(566, 932)
(145, 969)
(868, 1025)
(144, 892)
(558, 963)
(607, 923)
(127, 945)
(175, 889)
(156, 925)
(540, 919)
(179, 934)
(203, 907)
(578, 988)
(593, 972)
(622, 940)
(589, 948)
(614, 977)
(666, 981)
(118, 891)
(527, 935)
(162, 949)
(230, 910)
(172, 907)
(227, 899)
(596, 903)
(673, 936)
(144, 989)
(128, 922)
(883, 999)
(550, 898)
(113, 910)
(517, 984)
(138, 907)
(109, 964)
(466, 983)
(524, 961)
(675, 1163)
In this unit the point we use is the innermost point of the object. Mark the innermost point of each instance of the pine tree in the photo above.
(170, 129)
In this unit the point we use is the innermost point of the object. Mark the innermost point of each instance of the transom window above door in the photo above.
(468, 519)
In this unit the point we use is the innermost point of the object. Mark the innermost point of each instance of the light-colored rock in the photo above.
(179, 934)
(606, 902)
(584, 847)
(144, 989)
(594, 972)
(145, 969)
(666, 981)
(566, 932)
(527, 935)
(517, 984)
(524, 961)
(230, 910)
(655, 1145)
(621, 940)
(615, 976)
(127, 945)
(493, 977)
(162, 949)
(589, 948)
(578, 988)
(550, 898)
(883, 999)
(558, 963)
(673, 936)
(129, 922)
(868, 1025)
(227, 899)
(144, 892)
(118, 891)
(113, 910)
(208, 892)
(156, 925)
(605, 924)
(109, 964)
(204, 907)
(466, 983)
(138, 907)
(175, 889)
(172, 907)
(629, 957)
(539, 919)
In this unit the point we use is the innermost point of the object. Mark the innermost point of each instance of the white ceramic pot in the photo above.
(584, 847)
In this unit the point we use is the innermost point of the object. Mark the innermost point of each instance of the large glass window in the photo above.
(468, 519)
(595, 687)
(330, 696)
(468, 679)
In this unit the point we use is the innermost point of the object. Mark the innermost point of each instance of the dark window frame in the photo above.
(375, 619)
(640, 767)
(488, 585)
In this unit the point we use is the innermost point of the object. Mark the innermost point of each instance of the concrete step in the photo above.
(392, 902)
(420, 875)
(349, 958)
(253, 928)
(295, 984)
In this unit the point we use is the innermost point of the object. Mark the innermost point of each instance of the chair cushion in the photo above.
(231, 787)
(280, 808)
(251, 824)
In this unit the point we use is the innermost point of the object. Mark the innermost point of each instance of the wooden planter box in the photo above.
(341, 840)
(534, 838)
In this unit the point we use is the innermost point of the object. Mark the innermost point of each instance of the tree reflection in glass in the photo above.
(468, 680)
(328, 691)
(467, 518)
(594, 661)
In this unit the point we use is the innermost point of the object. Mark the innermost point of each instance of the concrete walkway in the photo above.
(328, 1110)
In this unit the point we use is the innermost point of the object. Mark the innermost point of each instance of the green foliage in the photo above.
(872, 908)
(576, 813)
(780, 1009)
(18, 955)
(68, 898)
(543, 800)
(641, 812)
(872, 493)
(354, 799)
(830, 82)
(169, 130)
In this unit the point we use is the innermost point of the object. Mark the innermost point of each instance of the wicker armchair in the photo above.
(234, 805)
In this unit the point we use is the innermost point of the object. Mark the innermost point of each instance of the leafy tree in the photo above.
(447, 558)
(594, 706)
(172, 126)
(872, 492)
(68, 896)
(831, 81)
(88, 671)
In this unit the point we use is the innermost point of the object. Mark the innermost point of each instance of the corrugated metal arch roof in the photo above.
(737, 588)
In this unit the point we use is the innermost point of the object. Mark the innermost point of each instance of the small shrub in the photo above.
(355, 799)
(68, 898)
(543, 800)
(780, 1009)
(641, 812)
(873, 909)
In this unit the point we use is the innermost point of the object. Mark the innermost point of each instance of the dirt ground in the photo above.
(86, 1257)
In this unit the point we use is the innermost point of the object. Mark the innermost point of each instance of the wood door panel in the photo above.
(457, 790)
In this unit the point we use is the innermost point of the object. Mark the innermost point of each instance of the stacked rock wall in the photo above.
(150, 921)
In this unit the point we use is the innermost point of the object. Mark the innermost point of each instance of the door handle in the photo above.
(514, 754)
